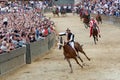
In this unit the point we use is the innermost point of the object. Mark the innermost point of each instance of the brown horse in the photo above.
(95, 34)
(55, 12)
(69, 52)
(63, 11)
(86, 18)
(81, 14)
(78, 49)
(99, 18)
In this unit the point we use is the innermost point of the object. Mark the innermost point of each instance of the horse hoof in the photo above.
(83, 64)
(82, 67)
(71, 71)
(89, 59)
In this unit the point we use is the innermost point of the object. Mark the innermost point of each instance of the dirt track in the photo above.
(105, 56)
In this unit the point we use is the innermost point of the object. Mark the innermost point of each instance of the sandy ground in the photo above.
(105, 56)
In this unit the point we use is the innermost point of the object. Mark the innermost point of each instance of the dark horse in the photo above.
(63, 11)
(86, 18)
(99, 18)
(81, 13)
(69, 52)
(95, 34)
(55, 12)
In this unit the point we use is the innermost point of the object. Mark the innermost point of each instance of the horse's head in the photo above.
(60, 42)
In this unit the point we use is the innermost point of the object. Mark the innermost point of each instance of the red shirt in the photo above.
(45, 32)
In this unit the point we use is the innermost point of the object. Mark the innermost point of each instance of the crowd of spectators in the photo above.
(19, 6)
(105, 7)
(22, 26)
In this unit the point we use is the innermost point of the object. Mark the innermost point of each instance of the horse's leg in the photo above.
(53, 15)
(79, 57)
(58, 14)
(70, 65)
(78, 62)
(88, 25)
(101, 21)
(79, 48)
(85, 25)
(97, 38)
(84, 54)
(97, 35)
(94, 39)
(80, 18)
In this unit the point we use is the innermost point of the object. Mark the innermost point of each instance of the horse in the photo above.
(86, 17)
(63, 11)
(69, 52)
(81, 13)
(99, 18)
(95, 34)
(55, 12)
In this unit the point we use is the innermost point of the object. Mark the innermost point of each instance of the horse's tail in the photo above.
(79, 46)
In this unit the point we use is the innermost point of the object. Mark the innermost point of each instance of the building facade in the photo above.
(63, 2)
(77, 1)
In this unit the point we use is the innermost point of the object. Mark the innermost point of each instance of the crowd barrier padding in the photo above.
(40, 47)
(25, 55)
(37, 48)
(12, 60)
(110, 19)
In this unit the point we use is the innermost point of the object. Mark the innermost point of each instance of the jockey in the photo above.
(98, 17)
(70, 38)
(93, 23)
(86, 18)
(54, 8)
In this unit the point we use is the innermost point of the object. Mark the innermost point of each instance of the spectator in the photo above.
(5, 22)
(106, 7)
(25, 26)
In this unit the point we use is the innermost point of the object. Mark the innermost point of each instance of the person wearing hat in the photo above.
(70, 38)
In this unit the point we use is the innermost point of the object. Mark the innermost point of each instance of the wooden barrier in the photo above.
(110, 19)
(25, 55)
(36, 49)
(12, 60)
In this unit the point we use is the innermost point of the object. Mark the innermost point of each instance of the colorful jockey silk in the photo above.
(92, 25)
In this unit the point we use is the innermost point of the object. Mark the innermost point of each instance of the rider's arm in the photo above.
(91, 23)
